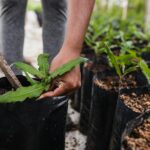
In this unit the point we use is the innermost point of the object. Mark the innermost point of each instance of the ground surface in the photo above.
(74, 139)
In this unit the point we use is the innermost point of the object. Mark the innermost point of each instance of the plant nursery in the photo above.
(111, 108)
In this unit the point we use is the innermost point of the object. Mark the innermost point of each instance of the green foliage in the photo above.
(126, 34)
(43, 64)
(67, 67)
(29, 79)
(127, 63)
(45, 79)
(145, 69)
(126, 37)
(113, 61)
(22, 93)
(124, 63)
(29, 69)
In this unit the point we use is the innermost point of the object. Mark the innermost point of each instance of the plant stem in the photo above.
(9, 73)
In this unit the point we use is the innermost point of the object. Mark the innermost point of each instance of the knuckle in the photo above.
(79, 84)
(76, 85)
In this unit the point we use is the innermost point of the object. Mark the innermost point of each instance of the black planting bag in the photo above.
(131, 125)
(86, 95)
(101, 117)
(32, 124)
(123, 115)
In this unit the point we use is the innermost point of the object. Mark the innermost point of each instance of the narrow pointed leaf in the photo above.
(29, 69)
(129, 70)
(22, 94)
(127, 59)
(145, 69)
(67, 67)
(113, 60)
(29, 79)
(43, 63)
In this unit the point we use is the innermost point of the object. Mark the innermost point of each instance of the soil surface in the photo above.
(74, 139)
(111, 82)
(139, 138)
(129, 81)
(137, 102)
(97, 64)
(108, 83)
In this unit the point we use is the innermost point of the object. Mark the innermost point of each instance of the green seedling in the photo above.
(44, 81)
(125, 34)
(123, 64)
(127, 63)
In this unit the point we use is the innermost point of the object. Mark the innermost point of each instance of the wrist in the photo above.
(71, 51)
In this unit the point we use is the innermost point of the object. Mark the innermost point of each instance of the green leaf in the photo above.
(22, 94)
(43, 63)
(129, 70)
(67, 67)
(132, 52)
(29, 79)
(127, 59)
(113, 60)
(145, 69)
(29, 69)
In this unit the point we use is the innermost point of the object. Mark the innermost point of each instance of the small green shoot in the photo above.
(127, 63)
(123, 64)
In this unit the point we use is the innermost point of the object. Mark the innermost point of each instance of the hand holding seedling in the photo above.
(45, 79)
(77, 23)
(68, 82)
(62, 66)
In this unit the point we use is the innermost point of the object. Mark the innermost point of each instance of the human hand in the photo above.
(68, 82)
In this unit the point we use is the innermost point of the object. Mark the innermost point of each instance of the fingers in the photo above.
(64, 85)
(61, 89)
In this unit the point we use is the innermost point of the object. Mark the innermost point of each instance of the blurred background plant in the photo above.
(124, 26)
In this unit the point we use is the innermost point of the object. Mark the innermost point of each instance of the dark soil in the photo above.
(139, 138)
(87, 51)
(96, 67)
(110, 81)
(98, 64)
(137, 102)
(129, 81)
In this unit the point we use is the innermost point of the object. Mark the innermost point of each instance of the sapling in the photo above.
(127, 63)
(44, 82)
(123, 64)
